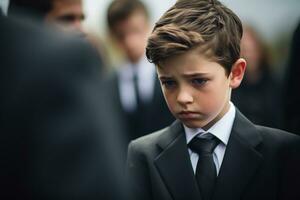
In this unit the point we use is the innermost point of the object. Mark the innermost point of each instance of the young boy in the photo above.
(212, 151)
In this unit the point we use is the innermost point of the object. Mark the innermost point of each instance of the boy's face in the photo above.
(196, 89)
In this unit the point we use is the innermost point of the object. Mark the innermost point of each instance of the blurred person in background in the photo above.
(292, 95)
(64, 15)
(259, 95)
(59, 137)
(134, 86)
(67, 15)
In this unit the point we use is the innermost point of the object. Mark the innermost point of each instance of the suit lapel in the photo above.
(241, 160)
(174, 165)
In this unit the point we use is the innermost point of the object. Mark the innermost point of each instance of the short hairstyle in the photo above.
(190, 24)
(120, 10)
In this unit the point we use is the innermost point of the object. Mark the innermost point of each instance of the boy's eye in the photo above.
(168, 83)
(199, 81)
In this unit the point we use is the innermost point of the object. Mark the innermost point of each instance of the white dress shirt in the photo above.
(221, 129)
(4, 6)
(146, 80)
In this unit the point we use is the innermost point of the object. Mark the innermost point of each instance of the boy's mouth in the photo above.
(188, 115)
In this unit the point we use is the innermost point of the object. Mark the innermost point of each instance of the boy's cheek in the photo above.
(209, 103)
(171, 103)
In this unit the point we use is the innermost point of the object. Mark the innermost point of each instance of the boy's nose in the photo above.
(184, 97)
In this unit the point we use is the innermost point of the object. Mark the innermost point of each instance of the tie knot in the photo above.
(203, 146)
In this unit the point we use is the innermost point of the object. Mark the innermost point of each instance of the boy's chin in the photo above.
(195, 124)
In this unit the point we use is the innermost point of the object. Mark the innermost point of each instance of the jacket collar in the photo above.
(240, 162)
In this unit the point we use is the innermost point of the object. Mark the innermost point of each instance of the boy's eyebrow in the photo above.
(197, 74)
(187, 75)
(165, 77)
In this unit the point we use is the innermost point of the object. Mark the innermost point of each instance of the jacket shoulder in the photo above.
(148, 141)
(277, 135)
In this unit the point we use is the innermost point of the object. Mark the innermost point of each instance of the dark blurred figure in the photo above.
(67, 15)
(292, 94)
(59, 138)
(63, 15)
(259, 95)
(134, 86)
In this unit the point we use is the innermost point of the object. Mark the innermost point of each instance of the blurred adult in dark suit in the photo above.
(134, 85)
(59, 138)
(259, 95)
(63, 15)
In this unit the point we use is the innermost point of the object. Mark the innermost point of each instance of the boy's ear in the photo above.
(237, 73)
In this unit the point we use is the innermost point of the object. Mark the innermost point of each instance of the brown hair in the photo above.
(120, 10)
(204, 24)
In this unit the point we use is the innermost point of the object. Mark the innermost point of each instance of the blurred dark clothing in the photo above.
(292, 94)
(151, 116)
(30, 9)
(260, 163)
(58, 139)
(260, 101)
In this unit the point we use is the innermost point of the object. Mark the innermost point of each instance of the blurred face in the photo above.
(251, 51)
(196, 89)
(66, 15)
(131, 35)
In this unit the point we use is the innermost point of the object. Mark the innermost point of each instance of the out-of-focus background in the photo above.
(269, 25)
(74, 96)
(274, 21)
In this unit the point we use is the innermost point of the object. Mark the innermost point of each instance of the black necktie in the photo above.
(136, 90)
(206, 170)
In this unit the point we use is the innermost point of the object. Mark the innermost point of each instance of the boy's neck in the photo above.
(216, 119)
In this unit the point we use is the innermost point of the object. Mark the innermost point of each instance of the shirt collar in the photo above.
(221, 129)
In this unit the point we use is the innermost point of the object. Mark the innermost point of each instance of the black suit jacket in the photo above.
(259, 163)
(152, 116)
(58, 139)
(292, 81)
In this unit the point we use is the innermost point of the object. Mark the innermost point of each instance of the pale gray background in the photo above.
(275, 20)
